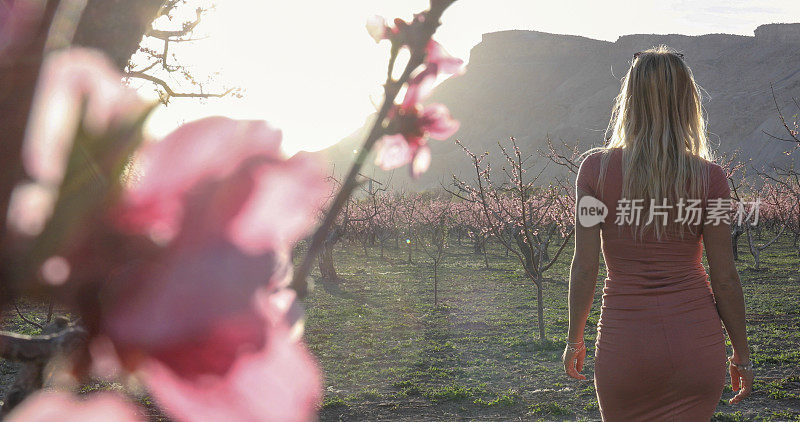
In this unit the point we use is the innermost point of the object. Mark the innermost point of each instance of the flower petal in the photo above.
(442, 60)
(67, 79)
(198, 302)
(393, 152)
(419, 87)
(422, 160)
(376, 26)
(206, 149)
(287, 197)
(437, 122)
(279, 383)
(64, 407)
(30, 206)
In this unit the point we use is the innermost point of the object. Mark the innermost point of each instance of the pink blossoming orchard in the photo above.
(183, 262)
(175, 254)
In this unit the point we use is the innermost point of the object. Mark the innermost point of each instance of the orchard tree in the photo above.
(352, 220)
(523, 215)
(787, 177)
(783, 198)
(740, 186)
(768, 204)
(386, 222)
(409, 210)
(369, 207)
(435, 221)
(470, 219)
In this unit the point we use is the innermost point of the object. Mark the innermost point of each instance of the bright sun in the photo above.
(314, 75)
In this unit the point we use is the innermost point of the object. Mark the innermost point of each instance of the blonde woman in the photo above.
(660, 351)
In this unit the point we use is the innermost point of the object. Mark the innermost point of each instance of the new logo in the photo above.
(591, 211)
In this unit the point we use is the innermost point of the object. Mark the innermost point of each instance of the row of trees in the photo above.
(528, 213)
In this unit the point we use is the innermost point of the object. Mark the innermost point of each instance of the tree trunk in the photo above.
(435, 284)
(540, 308)
(116, 27)
(735, 243)
(477, 246)
(326, 268)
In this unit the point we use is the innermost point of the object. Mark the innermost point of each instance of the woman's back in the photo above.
(650, 265)
(659, 334)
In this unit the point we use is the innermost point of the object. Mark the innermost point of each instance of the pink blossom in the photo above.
(67, 79)
(412, 124)
(421, 162)
(226, 207)
(64, 407)
(281, 382)
(377, 28)
(436, 55)
(401, 33)
(18, 22)
(30, 206)
(437, 62)
(209, 150)
(393, 152)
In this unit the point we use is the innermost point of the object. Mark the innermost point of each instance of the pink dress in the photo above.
(660, 350)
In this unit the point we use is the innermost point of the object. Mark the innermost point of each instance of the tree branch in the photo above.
(168, 90)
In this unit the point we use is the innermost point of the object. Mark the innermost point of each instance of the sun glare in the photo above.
(314, 72)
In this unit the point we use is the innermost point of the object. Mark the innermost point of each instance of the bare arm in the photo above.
(730, 304)
(582, 276)
(726, 287)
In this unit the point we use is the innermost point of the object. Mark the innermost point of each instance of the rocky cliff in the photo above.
(532, 84)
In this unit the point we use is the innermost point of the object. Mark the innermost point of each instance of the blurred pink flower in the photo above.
(29, 208)
(18, 22)
(281, 382)
(67, 79)
(65, 407)
(225, 207)
(214, 148)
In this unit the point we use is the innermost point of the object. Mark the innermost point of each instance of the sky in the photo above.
(311, 69)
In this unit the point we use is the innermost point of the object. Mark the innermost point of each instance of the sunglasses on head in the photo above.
(637, 54)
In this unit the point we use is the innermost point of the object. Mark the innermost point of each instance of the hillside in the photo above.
(529, 84)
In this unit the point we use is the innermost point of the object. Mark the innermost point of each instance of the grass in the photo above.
(388, 353)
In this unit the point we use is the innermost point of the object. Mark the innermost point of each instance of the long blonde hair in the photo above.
(658, 122)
